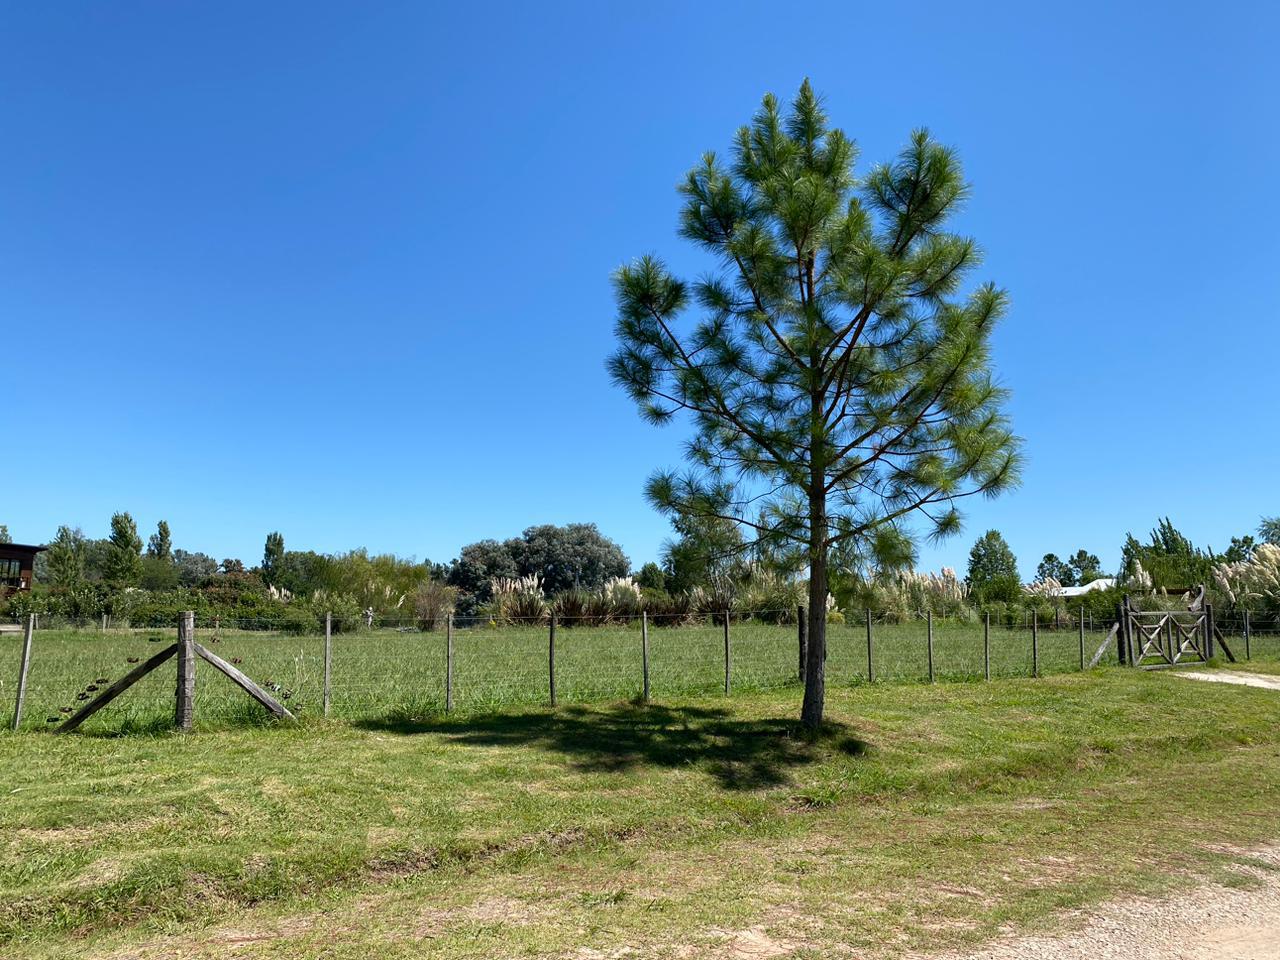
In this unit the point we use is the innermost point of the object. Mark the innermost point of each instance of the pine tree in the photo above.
(4, 534)
(123, 566)
(838, 382)
(160, 546)
(1051, 567)
(993, 569)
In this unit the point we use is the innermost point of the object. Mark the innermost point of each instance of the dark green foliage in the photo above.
(160, 546)
(4, 534)
(66, 556)
(993, 571)
(1168, 557)
(1052, 567)
(1240, 549)
(272, 556)
(477, 565)
(1269, 530)
(158, 574)
(575, 555)
(837, 377)
(1085, 567)
(706, 550)
(123, 567)
(651, 577)
(194, 569)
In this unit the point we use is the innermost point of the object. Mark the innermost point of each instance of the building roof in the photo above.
(22, 548)
(1102, 583)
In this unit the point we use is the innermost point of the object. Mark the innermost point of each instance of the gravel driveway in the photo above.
(1206, 923)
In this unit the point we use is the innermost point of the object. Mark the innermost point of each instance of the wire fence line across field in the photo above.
(397, 668)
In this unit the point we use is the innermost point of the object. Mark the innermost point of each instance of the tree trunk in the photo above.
(816, 655)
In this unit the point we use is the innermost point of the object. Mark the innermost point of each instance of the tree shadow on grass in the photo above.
(740, 754)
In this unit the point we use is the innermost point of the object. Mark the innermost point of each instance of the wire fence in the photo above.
(397, 669)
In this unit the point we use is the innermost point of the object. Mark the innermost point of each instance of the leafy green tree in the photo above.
(124, 556)
(192, 568)
(1269, 530)
(1059, 570)
(66, 556)
(651, 577)
(4, 534)
(1085, 566)
(272, 557)
(158, 573)
(993, 570)
(575, 555)
(477, 565)
(837, 379)
(160, 545)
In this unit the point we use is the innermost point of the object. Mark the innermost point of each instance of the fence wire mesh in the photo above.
(397, 668)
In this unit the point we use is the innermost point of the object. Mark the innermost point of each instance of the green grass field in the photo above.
(925, 816)
(388, 672)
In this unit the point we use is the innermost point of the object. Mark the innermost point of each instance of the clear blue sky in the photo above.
(342, 270)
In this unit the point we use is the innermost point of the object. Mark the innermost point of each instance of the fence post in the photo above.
(328, 658)
(802, 635)
(22, 668)
(1082, 638)
(1122, 635)
(551, 659)
(644, 650)
(986, 645)
(184, 713)
(448, 664)
(1247, 654)
(726, 653)
(871, 666)
(104, 623)
(1035, 644)
(1208, 630)
(930, 618)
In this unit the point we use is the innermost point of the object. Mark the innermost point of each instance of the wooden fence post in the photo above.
(1082, 638)
(726, 653)
(644, 651)
(871, 664)
(1208, 631)
(1122, 635)
(448, 664)
(930, 619)
(22, 668)
(551, 659)
(104, 623)
(1035, 644)
(185, 709)
(1247, 654)
(986, 645)
(802, 635)
(328, 658)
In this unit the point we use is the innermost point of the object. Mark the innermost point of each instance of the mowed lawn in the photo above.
(926, 816)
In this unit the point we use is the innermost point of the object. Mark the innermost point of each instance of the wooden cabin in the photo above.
(17, 563)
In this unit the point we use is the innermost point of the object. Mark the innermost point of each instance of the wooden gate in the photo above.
(1168, 638)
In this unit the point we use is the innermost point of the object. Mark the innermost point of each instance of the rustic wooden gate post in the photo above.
(22, 668)
(1208, 631)
(1248, 655)
(184, 713)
